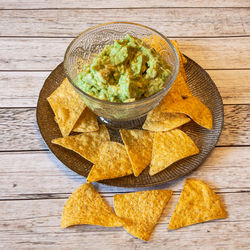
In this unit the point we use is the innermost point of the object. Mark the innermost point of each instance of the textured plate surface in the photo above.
(201, 85)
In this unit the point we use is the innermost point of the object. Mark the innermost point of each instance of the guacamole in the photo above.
(125, 71)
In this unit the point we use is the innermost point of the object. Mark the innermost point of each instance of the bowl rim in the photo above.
(140, 101)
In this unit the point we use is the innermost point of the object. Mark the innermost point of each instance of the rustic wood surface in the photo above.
(34, 185)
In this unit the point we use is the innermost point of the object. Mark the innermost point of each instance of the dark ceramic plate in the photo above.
(201, 85)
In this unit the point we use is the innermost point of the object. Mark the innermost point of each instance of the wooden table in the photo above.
(34, 186)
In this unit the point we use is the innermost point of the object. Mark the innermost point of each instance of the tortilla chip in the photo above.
(181, 66)
(180, 99)
(176, 45)
(184, 59)
(169, 147)
(87, 122)
(176, 102)
(138, 144)
(86, 206)
(113, 162)
(193, 107)
(87, 144)
(141, 211)
(67, 106)
(162, 121)
(197, 203)
(160, 45)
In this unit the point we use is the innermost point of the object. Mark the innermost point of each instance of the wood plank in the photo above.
(236, 125)
(184, 22)
(233, 85)
(38, 226)
(220, 53)
(30, 4)
(47, 53)
(19, 130)
(21, 89)
(22, 175)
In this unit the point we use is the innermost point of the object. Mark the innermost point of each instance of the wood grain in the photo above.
(38, 225)
(19, 130)
(34, 185)
(30, 4)
(233, 85)
(47, 53)
(21, 89)
(22, 175)
(181, 22)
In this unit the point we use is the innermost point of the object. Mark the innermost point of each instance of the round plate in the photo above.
(201, 86)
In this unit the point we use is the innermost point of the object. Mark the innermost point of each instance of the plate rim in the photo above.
(108, 182)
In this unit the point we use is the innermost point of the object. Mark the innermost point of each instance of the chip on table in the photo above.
(138, 144)
(67, 106)
(169, 147)
(86, 206)
(112, 162)
(85, 144)
(140, 211)
(197, 203)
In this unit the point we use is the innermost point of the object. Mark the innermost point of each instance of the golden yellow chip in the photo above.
(191, 106)
(87, 122)
(169, 147)
(181, 66)
(138, 144)
(67, 106)
(162, 121)
(176, 102)
(113, 162)
(183, 58)
(178, 87)
(86, 206)
(197, 203)
(140, 211)
(86, 144)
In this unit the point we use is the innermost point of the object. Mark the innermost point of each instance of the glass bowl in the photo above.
(91, 42)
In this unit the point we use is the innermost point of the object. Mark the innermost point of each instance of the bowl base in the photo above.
(122, 124)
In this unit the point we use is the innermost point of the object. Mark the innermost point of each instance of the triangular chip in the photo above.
(86, 144)
(113, 162)
(175, 102)
(140, 211)
(87, 122)
(184, 59)
(193, 107)
(169, 147)
(138, 144)
(197, 203)
(180, 99)
(181, 66)
(162, 121)
(67, 106)
(86, 206)
(160, 46)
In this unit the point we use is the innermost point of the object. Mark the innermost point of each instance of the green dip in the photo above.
(125, 71)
